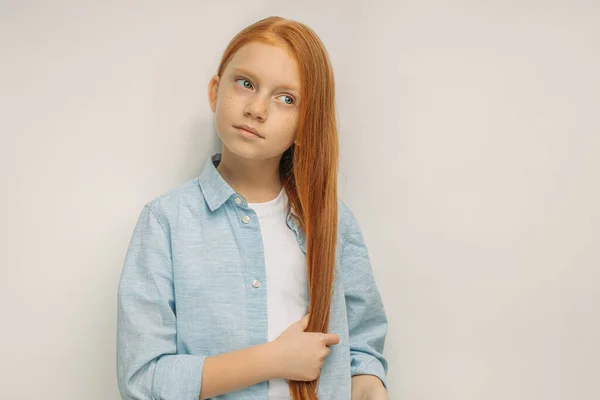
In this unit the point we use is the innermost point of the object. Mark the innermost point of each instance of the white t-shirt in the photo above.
(287, 280)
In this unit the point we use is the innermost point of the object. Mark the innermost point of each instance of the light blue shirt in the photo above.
(188, 290)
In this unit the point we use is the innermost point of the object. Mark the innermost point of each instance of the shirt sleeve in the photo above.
(367, 321)
(148, 366)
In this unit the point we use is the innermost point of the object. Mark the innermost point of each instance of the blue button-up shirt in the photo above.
(186, 293)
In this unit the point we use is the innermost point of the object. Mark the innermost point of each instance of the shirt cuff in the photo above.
(178, 377)
(370, 367)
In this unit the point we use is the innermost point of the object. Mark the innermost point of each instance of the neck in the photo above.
(257, 181)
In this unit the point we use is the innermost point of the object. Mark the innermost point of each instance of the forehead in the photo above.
(273, 65)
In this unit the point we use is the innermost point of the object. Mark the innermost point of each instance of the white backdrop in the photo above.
(470, 155)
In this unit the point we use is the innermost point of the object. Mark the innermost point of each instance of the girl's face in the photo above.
(259, 88)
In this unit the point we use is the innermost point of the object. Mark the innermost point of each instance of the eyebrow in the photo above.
(251, 75)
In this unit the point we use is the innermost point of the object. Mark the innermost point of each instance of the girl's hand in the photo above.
(301, 354)
(368, 387)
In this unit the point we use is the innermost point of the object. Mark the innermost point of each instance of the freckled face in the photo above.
(260, 88)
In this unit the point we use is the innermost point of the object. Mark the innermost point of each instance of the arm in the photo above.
(148, 366)
(238, 369)
(367, 321)
(368, 387)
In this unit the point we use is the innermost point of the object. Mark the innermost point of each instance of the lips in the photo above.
(248, 129)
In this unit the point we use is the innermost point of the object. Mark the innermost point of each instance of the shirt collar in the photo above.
(216, 190)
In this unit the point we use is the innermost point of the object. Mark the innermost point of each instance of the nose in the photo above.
(256, 108)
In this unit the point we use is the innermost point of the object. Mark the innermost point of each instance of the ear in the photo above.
(213, 89)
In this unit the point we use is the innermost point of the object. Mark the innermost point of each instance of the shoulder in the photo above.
(347, 223)
(354, 252)
(168, 205)
(171, 199)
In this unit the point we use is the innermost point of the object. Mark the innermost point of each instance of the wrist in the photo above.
(366, 382)
(275, 359)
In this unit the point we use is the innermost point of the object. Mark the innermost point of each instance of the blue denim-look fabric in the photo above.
(186, 292)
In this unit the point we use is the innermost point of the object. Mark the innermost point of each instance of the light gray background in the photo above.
(470, 155)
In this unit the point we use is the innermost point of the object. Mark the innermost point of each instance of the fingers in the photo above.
(326, 338)
(304, 321)
(330, 339)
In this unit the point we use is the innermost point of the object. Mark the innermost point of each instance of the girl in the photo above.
(252, 280)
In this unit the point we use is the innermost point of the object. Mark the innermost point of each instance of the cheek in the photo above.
(228, 102)
(283, 128)
(291, 121)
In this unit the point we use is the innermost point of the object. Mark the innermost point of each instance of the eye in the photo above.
(249, 86)
(289, 97)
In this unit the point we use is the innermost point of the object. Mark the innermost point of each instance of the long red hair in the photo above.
(309, 167)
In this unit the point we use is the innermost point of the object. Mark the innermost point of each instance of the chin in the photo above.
(242, 149)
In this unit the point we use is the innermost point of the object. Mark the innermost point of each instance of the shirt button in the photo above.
(246, 219)
(256, 283)
(238, 200)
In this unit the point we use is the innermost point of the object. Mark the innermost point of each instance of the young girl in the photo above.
(252, 280)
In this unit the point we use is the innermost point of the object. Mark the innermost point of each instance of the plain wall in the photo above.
(470, 141)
